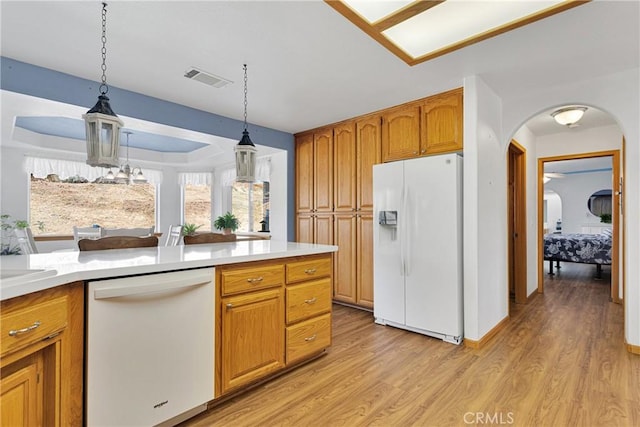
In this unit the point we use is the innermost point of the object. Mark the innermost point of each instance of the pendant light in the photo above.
(126, 174)
(102, 124)
(245, 150)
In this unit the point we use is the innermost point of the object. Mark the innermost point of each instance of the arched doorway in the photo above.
(598, 134)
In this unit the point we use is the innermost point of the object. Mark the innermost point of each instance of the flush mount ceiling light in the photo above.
(568, 116)
(417, 31)
(101, 123)
(245, 150)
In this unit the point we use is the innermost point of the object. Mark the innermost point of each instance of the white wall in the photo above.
(485, 213)
(575, 190)
(619, 95)
(580, 141)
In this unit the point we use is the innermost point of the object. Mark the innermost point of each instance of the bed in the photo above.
(581, 248)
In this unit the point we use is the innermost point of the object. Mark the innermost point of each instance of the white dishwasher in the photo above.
(150, 343)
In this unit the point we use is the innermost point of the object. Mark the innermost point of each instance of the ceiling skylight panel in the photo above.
(373, 10)
(454, 21)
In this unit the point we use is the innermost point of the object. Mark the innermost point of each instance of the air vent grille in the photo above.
(206, 78)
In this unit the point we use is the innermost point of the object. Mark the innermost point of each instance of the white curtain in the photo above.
(41, 167)
(263, 172)
(195, 178)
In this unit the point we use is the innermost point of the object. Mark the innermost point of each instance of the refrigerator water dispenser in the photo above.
(388, 218)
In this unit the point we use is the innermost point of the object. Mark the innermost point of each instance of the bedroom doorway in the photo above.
(517, 227)
(587, 203)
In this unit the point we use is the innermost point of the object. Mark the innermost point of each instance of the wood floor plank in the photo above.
(560, 360)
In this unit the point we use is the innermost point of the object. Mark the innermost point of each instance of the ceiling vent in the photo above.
(206, 78)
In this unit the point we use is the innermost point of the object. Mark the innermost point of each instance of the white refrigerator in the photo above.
(418, 245)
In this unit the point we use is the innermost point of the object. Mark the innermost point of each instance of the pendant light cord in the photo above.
(245, 96)
(103, 87)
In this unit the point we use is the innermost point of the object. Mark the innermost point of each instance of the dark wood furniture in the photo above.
(209, 238)
(117, 242)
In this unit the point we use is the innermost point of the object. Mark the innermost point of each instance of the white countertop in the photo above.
(73, 266)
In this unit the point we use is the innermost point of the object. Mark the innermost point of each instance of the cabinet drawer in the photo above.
(308, 299)
(27, 325)
(308, 269)
(250, 279)
(308, 337)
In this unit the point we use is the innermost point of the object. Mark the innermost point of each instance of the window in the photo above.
(250, 203)
(197, 205)
(65, 193)
(196, 198)
(61, 204)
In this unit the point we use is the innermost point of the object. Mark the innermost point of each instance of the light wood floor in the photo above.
(559, 362)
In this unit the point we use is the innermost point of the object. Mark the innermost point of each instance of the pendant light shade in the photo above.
(101, 123)
(103, 134)
(245, 150)
(245, 159)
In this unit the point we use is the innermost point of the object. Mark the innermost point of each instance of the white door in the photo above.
(388, 276)
(433, 254)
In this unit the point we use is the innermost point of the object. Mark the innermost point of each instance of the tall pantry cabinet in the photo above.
(334, 179)
(356, 148)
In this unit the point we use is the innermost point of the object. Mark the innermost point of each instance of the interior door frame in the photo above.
(517, 221)
(615, 223)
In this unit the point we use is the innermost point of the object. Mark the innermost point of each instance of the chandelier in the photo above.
(245, 150)
(101, 123)
(127, 174)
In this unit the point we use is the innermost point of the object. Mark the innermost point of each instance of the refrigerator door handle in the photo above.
(407, 236)
(403, 230)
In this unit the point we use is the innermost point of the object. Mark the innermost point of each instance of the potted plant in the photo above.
(8, 246)
(605, 218)
(190, 229)
(228, 223)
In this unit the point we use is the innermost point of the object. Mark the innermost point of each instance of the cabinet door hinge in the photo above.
(48, 337)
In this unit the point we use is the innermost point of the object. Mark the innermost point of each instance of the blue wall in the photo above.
(44, 83)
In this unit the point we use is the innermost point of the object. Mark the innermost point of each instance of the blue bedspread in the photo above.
(582, 248)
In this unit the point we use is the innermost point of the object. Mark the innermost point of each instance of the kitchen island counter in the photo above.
(82, 266)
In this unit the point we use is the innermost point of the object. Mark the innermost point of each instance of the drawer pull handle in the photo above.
(229, 306)
(310, 270)
(311, 338)
(15, 333)
(311, 301)
(257, 279)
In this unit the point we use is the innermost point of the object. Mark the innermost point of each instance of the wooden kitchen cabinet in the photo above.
(308, 307)
(345, 259)
(304, 173)
(251, 308)
(41, 357)
(323, 170)
(353, 279)
(252, 336)
(442, 123)
(401, 133)
(261, 331)
(345, 167)
(364, 260)
(368, 149)
(314, 171)
(314, 228)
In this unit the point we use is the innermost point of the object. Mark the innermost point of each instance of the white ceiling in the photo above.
(308, 66)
